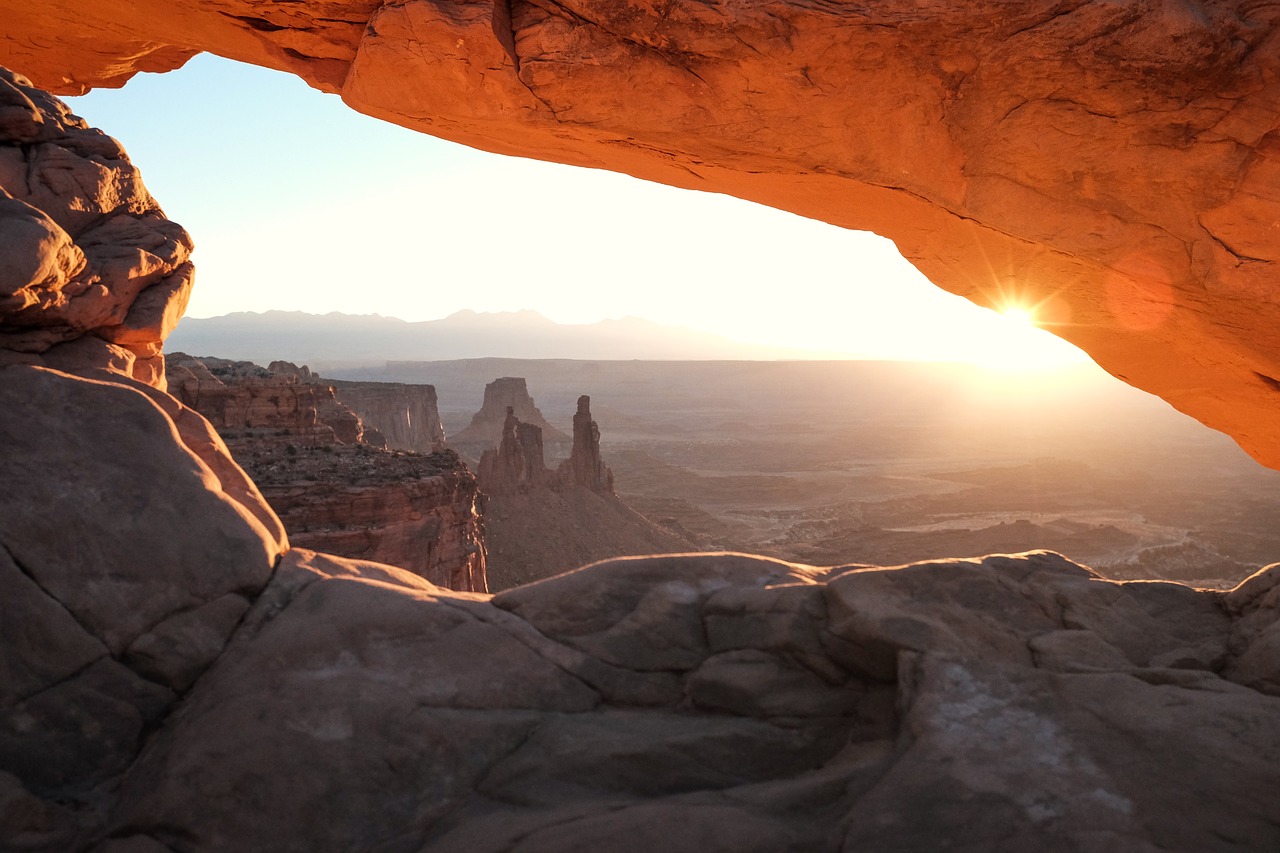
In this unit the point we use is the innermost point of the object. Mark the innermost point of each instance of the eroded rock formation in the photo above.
(175, 676)
(407, 416)
(584, 466)
(509, 394)
(261, 407)
(93, 275)
(1114, 162)
(518, 462)
(539, 522)
(331, 488)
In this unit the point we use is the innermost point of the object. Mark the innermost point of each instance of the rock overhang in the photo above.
(1117, 163)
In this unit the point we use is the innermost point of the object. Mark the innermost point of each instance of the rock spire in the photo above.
(584, 466)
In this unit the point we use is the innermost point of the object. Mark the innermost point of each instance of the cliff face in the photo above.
(406, 415)
(1115, 164)
(257, 406)
(420, 512)
(331, 488)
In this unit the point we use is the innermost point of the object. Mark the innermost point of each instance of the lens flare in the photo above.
(1019, 315)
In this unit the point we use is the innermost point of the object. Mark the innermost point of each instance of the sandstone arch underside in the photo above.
(1118, 163)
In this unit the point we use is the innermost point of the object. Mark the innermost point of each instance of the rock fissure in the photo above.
(1240, 257)
(53, 686)
(157, 725)
(61, 605)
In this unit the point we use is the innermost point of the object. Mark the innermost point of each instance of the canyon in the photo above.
(894, 462)
(336, 485)
(540, 522)
(178, 676)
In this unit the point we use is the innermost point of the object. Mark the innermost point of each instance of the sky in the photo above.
(296, 202)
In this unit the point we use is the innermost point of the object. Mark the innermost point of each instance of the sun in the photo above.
(1019, 315)
(1018, 342)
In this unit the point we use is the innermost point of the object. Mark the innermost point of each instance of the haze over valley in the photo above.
(825, 462)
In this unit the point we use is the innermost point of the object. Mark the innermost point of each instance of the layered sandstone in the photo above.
(332, 488)
(407, 416)
(256, 406)
(1113, 163)
(420, 512)
(175, 677)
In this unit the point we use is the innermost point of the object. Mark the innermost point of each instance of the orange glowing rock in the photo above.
(1119, 159)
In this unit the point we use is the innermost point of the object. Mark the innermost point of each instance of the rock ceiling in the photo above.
(1117, 163)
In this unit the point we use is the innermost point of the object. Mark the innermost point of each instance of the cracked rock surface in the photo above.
(174, 681)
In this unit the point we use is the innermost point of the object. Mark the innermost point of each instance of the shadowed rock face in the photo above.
(174, 676)
(310, 455)
(406, 415)
(172, 681)
(1115, 162)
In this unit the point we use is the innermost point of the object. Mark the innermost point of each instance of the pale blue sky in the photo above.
(296, 202)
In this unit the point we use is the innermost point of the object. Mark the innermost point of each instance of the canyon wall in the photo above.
(406, 415)
(333, 490)
(1113, 164)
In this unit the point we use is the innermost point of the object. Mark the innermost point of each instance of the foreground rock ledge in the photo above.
(1116, 163)
(172, 681)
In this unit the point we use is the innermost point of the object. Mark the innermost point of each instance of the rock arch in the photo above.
(1117, 162)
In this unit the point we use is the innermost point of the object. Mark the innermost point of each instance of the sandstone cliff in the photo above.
(256, 406)
(166, 665)
(405, 415)
(331, 488)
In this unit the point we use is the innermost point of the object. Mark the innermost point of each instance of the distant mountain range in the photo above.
(329, 341)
